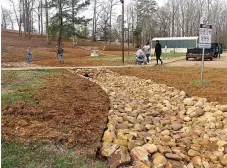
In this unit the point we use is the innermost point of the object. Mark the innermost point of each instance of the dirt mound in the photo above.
(69, 109)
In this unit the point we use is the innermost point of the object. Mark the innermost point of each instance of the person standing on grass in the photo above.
(29, 55)
(158, 52)
(147, 49)
(60, 54)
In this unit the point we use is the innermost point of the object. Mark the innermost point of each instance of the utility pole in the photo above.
(123, 60)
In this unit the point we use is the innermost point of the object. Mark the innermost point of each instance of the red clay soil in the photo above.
(69, 109)
(14, 51)
(186, 79)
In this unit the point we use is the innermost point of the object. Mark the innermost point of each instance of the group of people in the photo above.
(143, 54)
(59, 51)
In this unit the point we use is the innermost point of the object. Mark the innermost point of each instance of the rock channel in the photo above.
(156, 126)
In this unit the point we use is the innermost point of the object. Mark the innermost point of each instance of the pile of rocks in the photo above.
(153, 125)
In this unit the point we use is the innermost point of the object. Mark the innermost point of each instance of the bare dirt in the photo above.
(186, 79)
(69, 109)
(43, 54)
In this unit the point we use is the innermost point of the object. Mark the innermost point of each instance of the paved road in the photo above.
(216, 63)
(94, 67)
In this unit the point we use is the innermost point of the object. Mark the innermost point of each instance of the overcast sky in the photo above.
(6, 3)
(88, 13)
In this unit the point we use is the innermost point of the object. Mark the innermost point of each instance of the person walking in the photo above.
(147, 49)
(158, 52)
(60, 54)
(29, 55)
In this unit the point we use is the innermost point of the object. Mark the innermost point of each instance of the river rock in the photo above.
(197, 161)
(223, 108)
(151, 148)
(119, 157)
(221, 143)
(121, 126)
(108, 136)
(128, 109)
(192, 153)
(122, 136)
(224, 160)
(159, 161)
(121, 142)
(108, 148)
(176, 126)
(173, 156)
(199, 104)
(163, 149)
(190, 165)
(188, 101)
(206, 164)
(166, 132)
(140, 154)
(138, 164)
(174, 164)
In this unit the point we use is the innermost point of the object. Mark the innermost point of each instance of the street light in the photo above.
(122, 1)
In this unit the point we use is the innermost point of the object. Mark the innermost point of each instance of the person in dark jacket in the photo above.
(158, 52)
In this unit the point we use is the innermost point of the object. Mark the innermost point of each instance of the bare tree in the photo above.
(7, 18)
(103, 24)
(112, 3)
(96, 11)
(4, 15)
(18, 16)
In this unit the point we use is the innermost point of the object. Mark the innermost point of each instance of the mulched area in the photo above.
(69, 109)
(186, 79)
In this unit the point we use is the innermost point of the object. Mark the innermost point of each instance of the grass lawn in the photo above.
(116, 60)
(43, 155)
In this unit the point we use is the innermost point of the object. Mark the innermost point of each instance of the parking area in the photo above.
(216, 63)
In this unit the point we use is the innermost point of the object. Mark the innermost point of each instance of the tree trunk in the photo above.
(61, 23)
(41, 17)
(111, 7)
(31, 22)
(128, 37)
(24, 19)
(27, 18)
(73, 22)
(47, 22)
(94, 22)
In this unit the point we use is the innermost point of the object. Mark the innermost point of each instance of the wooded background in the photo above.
(144, 19)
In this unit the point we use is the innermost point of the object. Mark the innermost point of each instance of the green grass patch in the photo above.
(39, 155)
(112, 58)
(198, 82)
(131, 58)
(11, 98)
(17, 85)
(171, 55)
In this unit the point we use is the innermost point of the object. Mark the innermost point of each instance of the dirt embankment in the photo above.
(69, 109)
